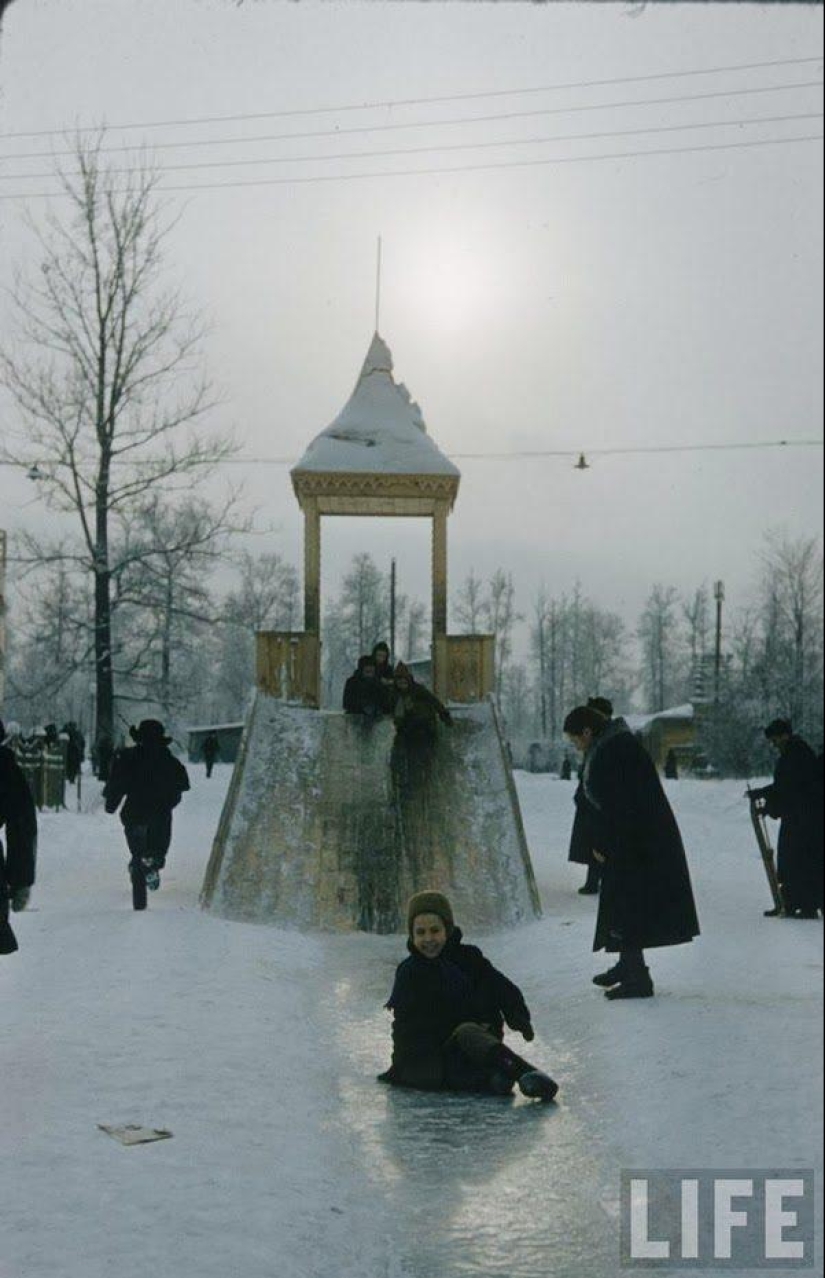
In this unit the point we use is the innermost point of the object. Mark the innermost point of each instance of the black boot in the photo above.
(634, 978)
(609, 978)
(531, 1082)
(632, 989)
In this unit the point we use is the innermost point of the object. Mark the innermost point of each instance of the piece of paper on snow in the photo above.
(133, 1134)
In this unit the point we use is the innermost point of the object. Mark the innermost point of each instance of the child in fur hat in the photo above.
(449, 1007)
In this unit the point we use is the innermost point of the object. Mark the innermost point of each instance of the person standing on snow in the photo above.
(152, 781)
(449, 1008)
(581, 836)
(646, 896)
(18, 817)
(795, 799)
(210, 750)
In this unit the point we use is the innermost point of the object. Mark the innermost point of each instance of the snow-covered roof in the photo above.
(214, 727)
(380, 430)
(638, 722)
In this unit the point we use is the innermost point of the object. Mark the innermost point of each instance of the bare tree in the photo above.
(470, 604)
(659, 635)
(792, 590)
(501, 616)
(51, 646)
(162, 589)
(106, 380)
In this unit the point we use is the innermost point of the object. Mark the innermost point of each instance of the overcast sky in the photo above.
(603, 303)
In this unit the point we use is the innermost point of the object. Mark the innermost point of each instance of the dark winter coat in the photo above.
(211, 747)
(150, 779)
(796, 799)
(417, 713)
(646, 896)
(432, 997)
(582, 836)
(363, 695)
(18, 819)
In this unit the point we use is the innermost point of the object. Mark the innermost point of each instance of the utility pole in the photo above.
(392, 611)
(719, 595)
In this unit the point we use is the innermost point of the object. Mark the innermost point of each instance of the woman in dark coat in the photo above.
(18, 817)
(796, 799)
(582, 836)
(646, 895)
(151, 780)
(449, 1007)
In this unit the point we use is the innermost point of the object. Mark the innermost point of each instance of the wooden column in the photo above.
(439, 552)
(312, 566)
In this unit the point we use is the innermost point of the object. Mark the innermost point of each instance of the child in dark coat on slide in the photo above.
(449, 1007)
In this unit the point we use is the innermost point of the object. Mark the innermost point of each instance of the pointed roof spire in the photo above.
(380, 430)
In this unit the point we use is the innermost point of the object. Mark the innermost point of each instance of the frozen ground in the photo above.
(258, 1049)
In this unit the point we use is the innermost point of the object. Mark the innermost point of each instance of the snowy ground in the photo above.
(258, 1049)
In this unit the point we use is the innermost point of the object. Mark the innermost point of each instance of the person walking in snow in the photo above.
(210, 750)
(646, 897)
(18, 821)
(796, 800)
(152, 781)
(582, 836)
(449, 1008)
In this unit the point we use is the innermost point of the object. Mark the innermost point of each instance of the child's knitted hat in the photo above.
(430, 903)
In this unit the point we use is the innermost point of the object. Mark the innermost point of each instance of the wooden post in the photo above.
(312, 566)
(439, 553)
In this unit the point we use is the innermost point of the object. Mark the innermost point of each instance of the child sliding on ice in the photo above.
(449, 1007)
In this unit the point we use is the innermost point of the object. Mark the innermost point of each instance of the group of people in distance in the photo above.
(376, 688)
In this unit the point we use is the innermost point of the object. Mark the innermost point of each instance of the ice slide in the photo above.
(330, 823)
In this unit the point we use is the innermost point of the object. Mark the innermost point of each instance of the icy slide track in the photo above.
(331, 824)
(258, 1048)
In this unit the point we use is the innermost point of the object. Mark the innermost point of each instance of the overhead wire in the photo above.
(530, 454)
(444, 170)
(450, 146)
(422, 101)
(429, 124)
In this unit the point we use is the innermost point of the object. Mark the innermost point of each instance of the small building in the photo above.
(229, 740)
(673, 729)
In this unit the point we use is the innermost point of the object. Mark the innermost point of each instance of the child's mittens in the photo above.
(525, 1029)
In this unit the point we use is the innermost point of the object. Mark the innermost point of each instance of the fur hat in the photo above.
(149, 732)
(430, 903)
(584, 717)
(779, 728)
(403, 672)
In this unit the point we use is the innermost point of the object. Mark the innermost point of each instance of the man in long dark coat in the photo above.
(582, 836)
(18, 817)
(796, 800)
(646, 896)
(152, 781)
